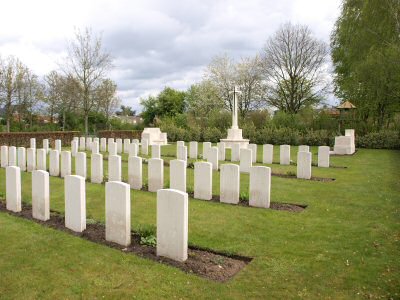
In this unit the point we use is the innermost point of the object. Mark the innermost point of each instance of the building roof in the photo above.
(346, 105)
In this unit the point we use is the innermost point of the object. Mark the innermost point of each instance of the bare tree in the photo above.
(88, 63)
(108, 101)
(293, 63)
(224, 74)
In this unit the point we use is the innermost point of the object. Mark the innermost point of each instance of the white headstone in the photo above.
(103, 145)
(74, 148)
(304, 160)
(46, 145)
(89, 142)
(203, 180)
(112, 148)
(260, 186)
(229, 183)
(135, 172)
(80, 164)
(82, 143)
(155, 174)
(22, 158)
(127, 142)
(193, 150)
(65, 163)
(212, 157)
(206, 147)
(114, 168)
(172, 224)
(41, 159)
(145, 147)
(155, 151)
(180, 144)
(12, 156)
(182, 153)
(253, 148)
(13, 189)
(323, 156)
(304, 148)
(54, 163)
(268, 154)
(133, 149)
(119, 146)
(177, 177)
(235, 153)
(109, 141)
(4, 156)
(58, 145)
(343, 145)
(41, 195)
(32, 143)
(95, 147)
(246, 160)
(30, 159)
(351, 133)
(284, 155)
(75, 203)
(96, 168)
(221, 151)
(118, 213)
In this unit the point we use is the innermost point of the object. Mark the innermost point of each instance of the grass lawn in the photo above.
(345, 245)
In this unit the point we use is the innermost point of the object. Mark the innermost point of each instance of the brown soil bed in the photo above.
(323, 179)
(203, 262)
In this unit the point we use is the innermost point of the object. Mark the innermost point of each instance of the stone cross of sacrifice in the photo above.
(235, 92)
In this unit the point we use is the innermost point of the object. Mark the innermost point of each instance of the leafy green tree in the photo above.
(366, 56)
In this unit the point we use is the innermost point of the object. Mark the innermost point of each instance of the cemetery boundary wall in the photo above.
(22, 139)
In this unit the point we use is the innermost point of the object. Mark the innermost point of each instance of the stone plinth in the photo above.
(235, 137)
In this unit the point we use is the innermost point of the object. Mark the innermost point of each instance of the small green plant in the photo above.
(148, 240)
(189, 189)
(147, 235)
(290, 173)
(244, 196)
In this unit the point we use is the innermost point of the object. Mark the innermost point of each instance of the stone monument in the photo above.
(235, 133)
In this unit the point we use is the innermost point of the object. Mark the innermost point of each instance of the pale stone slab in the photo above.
(246, 160)
(96, 168)
(41, 159)
(46, 145)
(80, 164)
(229, 183)
(268, 154)
(260, 186)
(127, 143)
(177, 177)
(155, 174)
(136, 141)
(103, 145)
(212, 157)
(74, 147)
(21, 158)
(155, 151)
(31, 159)
(118, 213)
(180, 144)
(13, 188)
(154, 136)
(182, 153)
(253, 148)
(95, 147)
(54, 163)
(206, 147)
(323, 156)
(119, 146)
(304, 148)
(65, 163)
(82, 143)
(145, 147)
(32, 143)
(96, 139)
(112, 149)
(172, 224)
(235, 152)
(12, 156)
(343, 145)
(110, 140)
(193, 150)
(89, 142)
(135, 172)
(75, 203)
(203, 180)
(351, 133)
(4, 156)
(221, 151)
(133, 149)
(58, 145)
(114, 168)
(304, 160)
(284, 155)
(41, 195)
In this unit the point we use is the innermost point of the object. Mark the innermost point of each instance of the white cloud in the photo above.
(154, 43)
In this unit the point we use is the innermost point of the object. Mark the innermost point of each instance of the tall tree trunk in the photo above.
(86, 125)
(8, 124)
(63, 125)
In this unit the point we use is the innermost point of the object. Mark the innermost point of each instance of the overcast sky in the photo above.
(154, 43)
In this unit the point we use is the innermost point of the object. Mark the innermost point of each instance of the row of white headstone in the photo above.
(172, 210)
(113, 146)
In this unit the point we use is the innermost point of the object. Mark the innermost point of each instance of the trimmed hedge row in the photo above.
(22, 139)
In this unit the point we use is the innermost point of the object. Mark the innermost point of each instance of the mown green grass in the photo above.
(345, 245)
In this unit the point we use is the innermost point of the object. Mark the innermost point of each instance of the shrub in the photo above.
(212, 135)
(379, 140)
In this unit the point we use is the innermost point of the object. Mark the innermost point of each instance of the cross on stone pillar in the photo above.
(235, 92)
